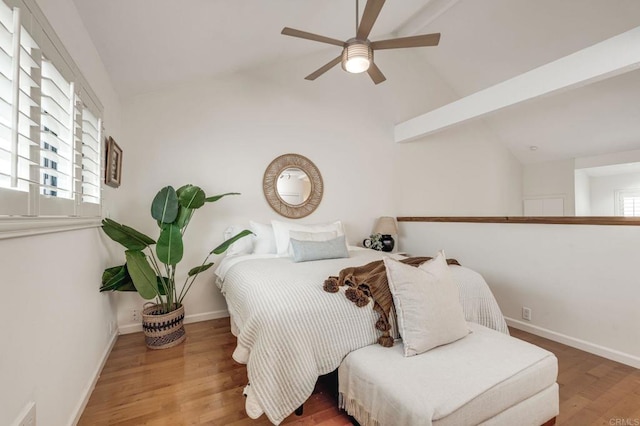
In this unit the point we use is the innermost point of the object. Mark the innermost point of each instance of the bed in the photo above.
(290, 331)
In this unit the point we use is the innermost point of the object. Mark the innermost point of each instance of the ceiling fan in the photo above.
(357, 52)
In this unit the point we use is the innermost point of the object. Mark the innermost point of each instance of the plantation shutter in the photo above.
(50, 126)
(631, 206)
(58, 145)
(90, 164)
(19, 115)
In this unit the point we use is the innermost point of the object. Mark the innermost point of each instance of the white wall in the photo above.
(550, 179)
(57, 328)
(582, 194)
(580, 281)
(460, 172)
(58, 323)
(222, 133)
(603, 191)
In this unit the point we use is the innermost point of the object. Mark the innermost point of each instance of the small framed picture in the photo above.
(113, 166)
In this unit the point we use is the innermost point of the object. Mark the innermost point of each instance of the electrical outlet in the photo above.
(28, 416)
(526, 313)
(135, 315)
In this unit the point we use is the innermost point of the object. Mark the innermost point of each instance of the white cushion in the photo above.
(243, 245)
(264, 241)
(427, 304)
(281, 231)
(464, 383)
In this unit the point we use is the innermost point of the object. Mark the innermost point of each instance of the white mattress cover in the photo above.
(290, 331)
(465, 382)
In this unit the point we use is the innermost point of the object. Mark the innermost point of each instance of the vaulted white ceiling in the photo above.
(147, 45)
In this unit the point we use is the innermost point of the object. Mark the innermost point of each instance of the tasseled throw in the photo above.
(382, 324)
(357, 296)
(385, 340)
(370, 282)
(331, 285)
(365, 289)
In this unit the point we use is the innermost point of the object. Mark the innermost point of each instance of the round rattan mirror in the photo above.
(293, 186)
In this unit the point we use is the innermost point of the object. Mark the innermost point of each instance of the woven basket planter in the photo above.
(163, 331)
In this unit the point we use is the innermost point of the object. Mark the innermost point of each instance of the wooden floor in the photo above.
(198, 383)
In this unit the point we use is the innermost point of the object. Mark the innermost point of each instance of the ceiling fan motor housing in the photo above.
(357, 56)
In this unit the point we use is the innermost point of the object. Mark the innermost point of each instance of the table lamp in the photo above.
(386, 226)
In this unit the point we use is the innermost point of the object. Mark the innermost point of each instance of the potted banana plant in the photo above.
(152, 271)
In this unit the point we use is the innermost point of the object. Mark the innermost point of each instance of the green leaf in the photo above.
(109, 273)
(165, 205)
(224, 246)
(143, 276)
(161, 289)
(181, 189)
(192, 197)
(169, 247)
(198, 269)
(117, 279)
(183, 216)
(217, 197)
(128, 237)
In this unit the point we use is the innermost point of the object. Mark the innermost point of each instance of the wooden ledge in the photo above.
(552, 220)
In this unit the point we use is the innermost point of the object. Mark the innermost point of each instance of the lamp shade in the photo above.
(386, 225)
(356, 56)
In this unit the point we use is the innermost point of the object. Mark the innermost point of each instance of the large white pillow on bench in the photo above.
(427, 304)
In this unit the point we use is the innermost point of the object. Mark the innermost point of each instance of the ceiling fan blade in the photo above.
(317, 73)
(375, 74)
(415, 41)
(371, 12)
(310, 36)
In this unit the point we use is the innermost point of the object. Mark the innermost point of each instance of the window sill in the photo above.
(15, 227)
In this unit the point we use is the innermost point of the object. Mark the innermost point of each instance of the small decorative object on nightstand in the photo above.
(374, 242)
(386, 227)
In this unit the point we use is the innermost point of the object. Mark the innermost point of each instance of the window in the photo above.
(50, 126)
(628, 203)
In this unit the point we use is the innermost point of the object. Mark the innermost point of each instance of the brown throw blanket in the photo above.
(370, 282)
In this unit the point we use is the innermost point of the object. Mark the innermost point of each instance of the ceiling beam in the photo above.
(614, 56)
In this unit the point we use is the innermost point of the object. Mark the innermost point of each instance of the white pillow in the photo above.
(310, 236)
(264, 241)
(313, 236)
(281, 232)
(303, 251)
(427, 304)
(243, 246)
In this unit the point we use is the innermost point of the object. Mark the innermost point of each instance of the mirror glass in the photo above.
(293, 186)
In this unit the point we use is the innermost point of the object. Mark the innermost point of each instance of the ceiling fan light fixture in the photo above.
(357, 56)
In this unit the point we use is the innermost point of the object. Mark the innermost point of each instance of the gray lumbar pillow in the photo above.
(317, 250)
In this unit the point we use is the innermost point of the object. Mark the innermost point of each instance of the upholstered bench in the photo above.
(486, 378)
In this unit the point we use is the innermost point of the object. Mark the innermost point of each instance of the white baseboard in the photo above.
(583, 345)
(86, 393)
(204, 316)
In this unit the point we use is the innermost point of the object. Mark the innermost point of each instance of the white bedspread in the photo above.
(290, 330)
